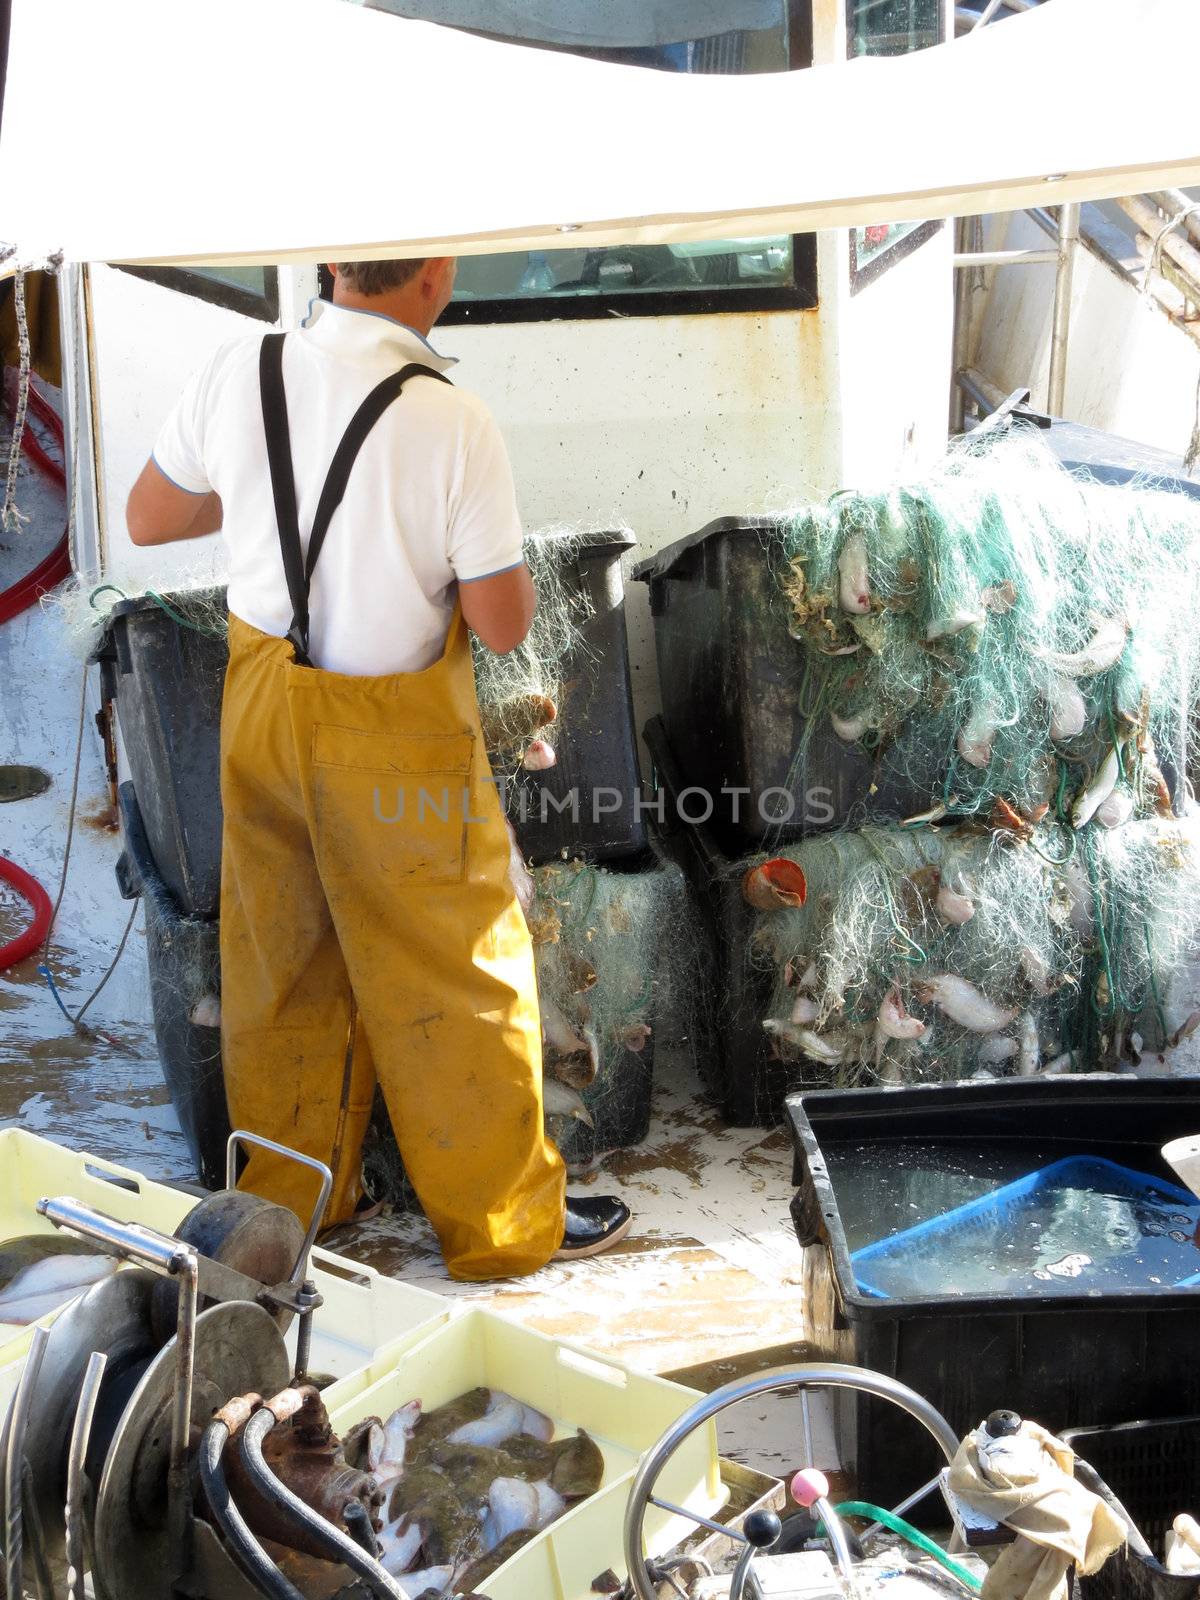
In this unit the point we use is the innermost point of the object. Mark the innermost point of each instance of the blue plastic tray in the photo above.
(983, 1232)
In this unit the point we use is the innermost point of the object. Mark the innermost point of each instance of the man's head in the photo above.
(415, 292)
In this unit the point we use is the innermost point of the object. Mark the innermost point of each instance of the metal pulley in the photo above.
(116, 1395)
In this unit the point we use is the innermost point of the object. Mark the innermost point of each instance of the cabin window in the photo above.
(730, 36)
(889, 28)
(254, 291)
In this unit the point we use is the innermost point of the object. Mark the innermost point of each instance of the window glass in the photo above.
(710, 36)
(893, 27)
(888, 28)
(254, 291)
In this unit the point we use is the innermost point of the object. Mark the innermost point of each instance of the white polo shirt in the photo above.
(430, 502)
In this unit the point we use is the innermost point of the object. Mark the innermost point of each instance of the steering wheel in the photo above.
(764, 1529)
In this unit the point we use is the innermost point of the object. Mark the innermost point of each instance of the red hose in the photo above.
(34, 935)
(27, 591)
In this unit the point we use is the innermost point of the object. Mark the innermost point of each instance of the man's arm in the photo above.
(499, 609)
(160, 512)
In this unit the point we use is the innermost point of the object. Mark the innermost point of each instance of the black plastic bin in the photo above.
(166, 681)
(1057, 1359)
(588, 803)
(733, 691)
(184, 959)
(733, 678)
(1148, 1472)
(735, 1058)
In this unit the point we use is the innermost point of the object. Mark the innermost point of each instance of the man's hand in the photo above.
(160, 512)
(499, 610)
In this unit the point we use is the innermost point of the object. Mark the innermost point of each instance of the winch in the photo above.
(162, 1443)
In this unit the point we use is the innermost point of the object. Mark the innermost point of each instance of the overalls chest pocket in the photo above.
(393, 804)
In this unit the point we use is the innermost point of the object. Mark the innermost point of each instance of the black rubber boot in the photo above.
(594, 1224)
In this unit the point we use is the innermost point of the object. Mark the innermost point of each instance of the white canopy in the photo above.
(277, 130)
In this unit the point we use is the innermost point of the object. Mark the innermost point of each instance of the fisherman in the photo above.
(368, 926)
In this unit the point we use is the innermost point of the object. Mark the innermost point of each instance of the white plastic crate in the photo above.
(364, 1314)
(625, 1412)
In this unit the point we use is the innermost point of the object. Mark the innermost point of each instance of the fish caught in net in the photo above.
(898, 954)
(1003, 630)
(616, 952)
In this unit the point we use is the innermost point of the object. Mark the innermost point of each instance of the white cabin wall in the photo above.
(1130, 370)
(896, 344)
(148, 341)
(660, 424)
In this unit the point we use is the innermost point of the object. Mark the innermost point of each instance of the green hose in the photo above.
(913, 1536)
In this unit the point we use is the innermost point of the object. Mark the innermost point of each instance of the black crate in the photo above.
(735, 1057)
(1056, 1359)
(1148, 1472)
(597, 749)
(184, 959)
(733, 691)
(166, 681)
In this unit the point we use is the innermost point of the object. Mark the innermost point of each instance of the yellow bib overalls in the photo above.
(366, 863)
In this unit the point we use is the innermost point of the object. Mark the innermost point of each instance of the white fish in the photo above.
(963, 1003)
(46, 1285)
(855, 588)
(1031, 1051)
(807, 978)
(550, 1505)
(805, 1040)
(504, 1417)
(894, 1022)
(1116, 811)
(1090, 799)
(996, 1047)
(954, 907)
(1068, 709)
(805, 1009)
(399, 1547)
(438, 1579)
(1103, 650)
(954, 622)
(560, 1100)
(539, 756)
(512, 1506)
(850, 728)
(206, 1013)
(376, 1446)
(975, 740)
(934, 814)
(536, 1424)
(557, 1032)
(397, 1431)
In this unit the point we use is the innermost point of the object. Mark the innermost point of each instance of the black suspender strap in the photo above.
(298, 570)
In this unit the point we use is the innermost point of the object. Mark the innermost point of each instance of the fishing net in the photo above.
(933, 953)
(617, 954)
(1001, 628)
(522, 693)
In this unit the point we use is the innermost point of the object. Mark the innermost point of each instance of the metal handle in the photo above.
(833, 1375)
(130, 1240)
(242, 1136)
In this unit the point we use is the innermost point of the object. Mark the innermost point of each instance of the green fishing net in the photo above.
(617, 954)
(998, 629)
(932, 953)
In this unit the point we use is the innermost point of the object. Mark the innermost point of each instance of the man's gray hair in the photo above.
(377, 277)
